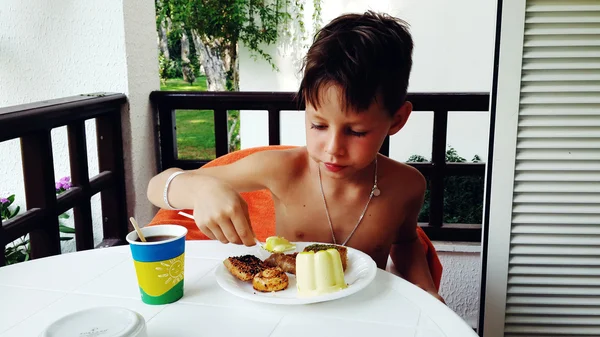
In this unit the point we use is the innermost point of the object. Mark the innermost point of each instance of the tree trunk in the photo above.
(210, 55)
(163, 43)
(186, 67)
(232, 65)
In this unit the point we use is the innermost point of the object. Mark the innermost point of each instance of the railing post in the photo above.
(82, 213)
(385, 147)
(110, 158)
(438, 161)
(274, 127)
(221, 130)
(168, 136)
(40, 192)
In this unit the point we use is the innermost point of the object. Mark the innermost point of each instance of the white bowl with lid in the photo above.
(99, 321)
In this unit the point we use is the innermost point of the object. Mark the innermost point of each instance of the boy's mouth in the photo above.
(333, 167)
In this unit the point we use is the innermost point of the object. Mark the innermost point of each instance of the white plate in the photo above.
(360, 272)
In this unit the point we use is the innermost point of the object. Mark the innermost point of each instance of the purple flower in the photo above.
(63, 184)
(3, 201)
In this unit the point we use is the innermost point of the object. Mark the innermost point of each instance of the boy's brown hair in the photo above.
(368, 55)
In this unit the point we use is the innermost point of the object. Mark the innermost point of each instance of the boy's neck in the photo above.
(360, 180)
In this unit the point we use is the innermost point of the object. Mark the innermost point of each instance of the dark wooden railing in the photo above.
(166, 102)
(32, 123)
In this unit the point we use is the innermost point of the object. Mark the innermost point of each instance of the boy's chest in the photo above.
(303, 216)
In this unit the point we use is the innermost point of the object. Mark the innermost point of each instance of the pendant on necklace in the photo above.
(376, 191)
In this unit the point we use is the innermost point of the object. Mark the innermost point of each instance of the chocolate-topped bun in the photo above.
(244, 267)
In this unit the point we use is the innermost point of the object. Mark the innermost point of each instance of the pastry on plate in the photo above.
(287, 262)
(244, 267)
(270, 279)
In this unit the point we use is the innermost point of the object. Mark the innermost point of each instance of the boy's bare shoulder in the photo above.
(405, 179)
(277, 153)
(287, 160)
(259, 170)
(287, 155)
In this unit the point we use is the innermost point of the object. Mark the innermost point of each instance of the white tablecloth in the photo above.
(36, 293)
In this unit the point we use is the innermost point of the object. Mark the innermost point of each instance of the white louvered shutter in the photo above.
(553, 264)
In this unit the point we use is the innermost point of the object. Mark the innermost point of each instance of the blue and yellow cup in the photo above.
(159, 262)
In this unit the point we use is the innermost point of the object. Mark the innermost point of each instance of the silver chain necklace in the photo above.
(374, 192)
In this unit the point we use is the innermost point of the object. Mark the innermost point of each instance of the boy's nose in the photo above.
(335, 145)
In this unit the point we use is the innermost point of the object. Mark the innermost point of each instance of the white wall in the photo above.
(454, 46)
(461, 278)
(52, 49)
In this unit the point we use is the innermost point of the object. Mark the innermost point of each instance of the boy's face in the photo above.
(344, 142)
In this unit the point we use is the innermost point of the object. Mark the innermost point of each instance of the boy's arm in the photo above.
(213, 193)
(247, 174)
(407, 252)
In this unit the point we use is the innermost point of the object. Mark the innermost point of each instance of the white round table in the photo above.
(36, 293)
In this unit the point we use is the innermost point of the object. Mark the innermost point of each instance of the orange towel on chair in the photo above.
(262, 213)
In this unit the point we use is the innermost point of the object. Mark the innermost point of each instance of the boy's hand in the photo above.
(222, 214)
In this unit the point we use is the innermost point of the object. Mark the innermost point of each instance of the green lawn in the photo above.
(178, 84)
(195, 128)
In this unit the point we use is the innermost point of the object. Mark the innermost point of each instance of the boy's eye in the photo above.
(348, 131)
(356, 133)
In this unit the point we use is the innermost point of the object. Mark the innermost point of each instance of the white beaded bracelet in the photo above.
(165, 198)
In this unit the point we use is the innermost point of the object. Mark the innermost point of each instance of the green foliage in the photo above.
(255, 23)
(172, 68)
(229, 84)
(188, 72)
(168, 68)
(174, 46)
(19, 250)
(417, 158)
(5, 211)
(463, 195)
(233, 125)
(316, 17)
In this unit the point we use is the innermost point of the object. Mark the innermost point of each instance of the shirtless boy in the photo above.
(337, 188)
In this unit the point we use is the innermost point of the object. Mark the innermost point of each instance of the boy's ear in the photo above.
(400, 117)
